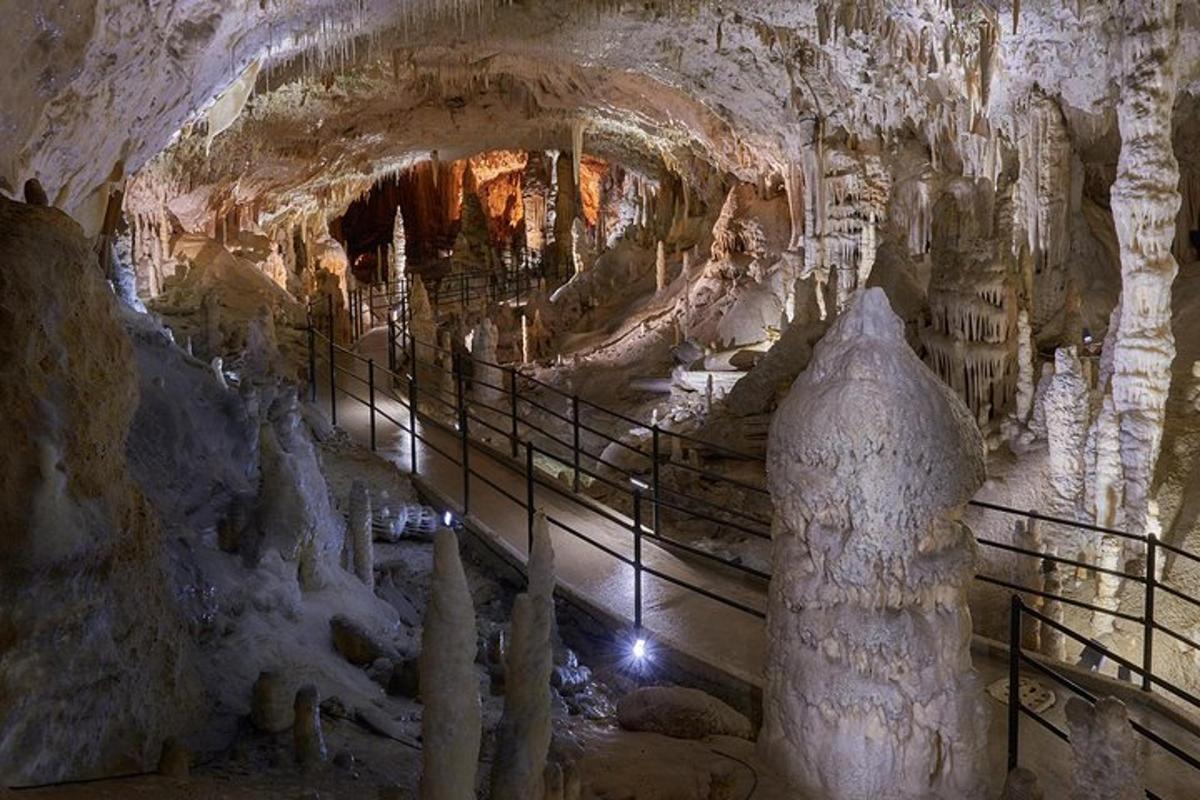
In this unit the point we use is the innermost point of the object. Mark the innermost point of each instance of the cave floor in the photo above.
(718, 635)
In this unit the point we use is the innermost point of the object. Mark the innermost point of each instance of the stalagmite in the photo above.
(581, 250)
(869, 686)
(271, 706)
(1051, 641)
(524, 339)
(1022, 784)
(1145, 201)
(1106, 760)
(360, 533)
(1024, 366)
(306, 731)
(399, 261)
(1066, 410)
(1108, 477)
(450, 725)
(523, 738)
(577, 128)
(424, 328)
(660, 267)
(541, 560)
(565, 211)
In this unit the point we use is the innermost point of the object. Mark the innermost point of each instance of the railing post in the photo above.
(332, 365)
(1148, 612)
(312, 361)
(462, 432)
(512, 408)
(529, 492)
(371, 397)
(1014, 683)
(575, 442)
(391, 334)
(412, 418)
(637, 559)
(654, 481)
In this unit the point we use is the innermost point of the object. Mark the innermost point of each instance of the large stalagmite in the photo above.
(869, 686)
(450, 725)
(1145, 200)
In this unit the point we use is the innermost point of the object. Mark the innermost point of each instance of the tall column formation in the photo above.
(450, 725)
(565, 209)
(488, 385)
(1145, 201)
(1065, 405)
(399, 247)
(869, 686)
(422, 325)
(535, 188)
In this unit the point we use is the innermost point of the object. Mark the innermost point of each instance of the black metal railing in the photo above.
(1019, 658)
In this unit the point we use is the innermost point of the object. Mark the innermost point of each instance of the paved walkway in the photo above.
(711, 632)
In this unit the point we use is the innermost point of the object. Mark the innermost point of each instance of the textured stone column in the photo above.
(1145, 201)
(870, 691)
(450, 725)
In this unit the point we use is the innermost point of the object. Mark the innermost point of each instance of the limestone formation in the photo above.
(450, 724)
(1065, 407)
(680, 712)
(487, 377)
(399, 262)
(1022, 784)
(1024, 389)
(581, 249)
(523, 737)
(360, 535)
(1106, 759)
(308, 738)
(1145, 201)
(271, 708)
(869, 686)
(660, 267)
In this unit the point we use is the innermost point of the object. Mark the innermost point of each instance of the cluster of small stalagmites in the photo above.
(871, 568)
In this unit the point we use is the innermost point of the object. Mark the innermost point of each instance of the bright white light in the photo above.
(639, 649)
(639, 484)
(448, 518)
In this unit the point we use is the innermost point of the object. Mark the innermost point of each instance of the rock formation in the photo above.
(360, 534)
(870, 572)
(523, 737)
(1106, 759)
(1145, 201)
(450, 725)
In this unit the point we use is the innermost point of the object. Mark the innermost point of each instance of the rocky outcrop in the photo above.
(681, 713)
(869, 686)
(1145, 201)
(84, 599)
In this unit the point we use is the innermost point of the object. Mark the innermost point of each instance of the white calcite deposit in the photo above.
(869, 686)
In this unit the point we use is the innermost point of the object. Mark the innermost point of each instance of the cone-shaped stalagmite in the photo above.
(523, 739)
(450, 725)
(870, 691)
(360, 533)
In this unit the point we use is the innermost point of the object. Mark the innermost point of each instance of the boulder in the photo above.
(681, 713)
(355, 643)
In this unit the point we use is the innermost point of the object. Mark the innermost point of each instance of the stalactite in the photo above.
(660, 266)
(577, 128)
(1145, 202)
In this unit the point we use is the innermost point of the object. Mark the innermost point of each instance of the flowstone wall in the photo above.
(870, 690)
(92, 669)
